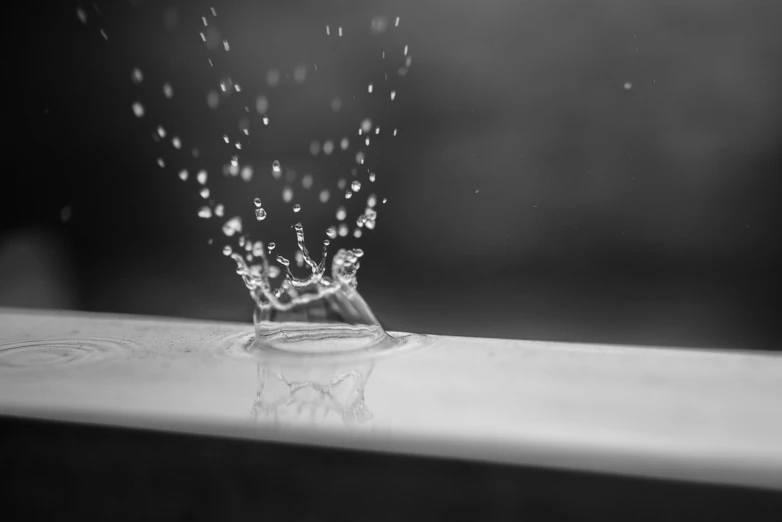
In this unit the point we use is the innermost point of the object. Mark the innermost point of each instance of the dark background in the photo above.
(646, 215)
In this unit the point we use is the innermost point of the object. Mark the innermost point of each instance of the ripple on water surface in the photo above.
(323, 346)
(53, 354)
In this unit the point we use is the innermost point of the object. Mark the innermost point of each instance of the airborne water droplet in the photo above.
(324, 196)
(201, 177)
(227, 251)
(331, 232)
(168, 92)
(348, 194)
(271, 246)
(137, 76)
(328, 147)
(296, 207)
(356, 185)
(344, 144)
(219, 210)
(343, 230)
(341, 213)
(287, 194)
(204, 192)
(257, 202)
(372, 177)
(183, 175)
(232, 226)
(260, 214)
(138, 109)
(205, 212)
(306, 181)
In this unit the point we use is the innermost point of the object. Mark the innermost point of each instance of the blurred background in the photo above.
(595, 172)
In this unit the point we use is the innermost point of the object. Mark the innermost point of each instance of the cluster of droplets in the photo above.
(254, 266)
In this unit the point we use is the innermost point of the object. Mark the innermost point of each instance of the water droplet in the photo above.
(384, 200)
(204, 192)
(227, 251)
(366, 141)
(205, 212)
(176, 142)
(238, 145)
(201, 177)
(477, 191)
(341, 214)
(213, 99)
(82, 15)
(226, 46)
(161, 163)
(377, 131)
(394, 132)
(232, 226)
(183, 175)
(168, 91)
(356, 185)
(360, 157)
(348, 194)
(314, 148)
(306, 181)
(271, 246)
(393, 95)
(358, 252)
(344, 144)
(136, 76)
(296, 207)
(195, 152)
(396, 23)
(328, 147)
(371, 200)
(366, 125)
(138, 109)
(161, 131)
(274, 271)
(273, 77)
(260, 214)
(104, 35)
(257, 202)
(258, 249)
(265, 120)
(331, 232)
(287, 194)
(405, 50)
(628, 86)
(357, 233)
(336, 104)
(343, 230)
(300, 74)
(339, 29)
(341, 183)
(372, 177)
(219, 210)
(328, 31)
(379, 24)
(369, 88)
(261, 104)
(324, 196)
(247, 173)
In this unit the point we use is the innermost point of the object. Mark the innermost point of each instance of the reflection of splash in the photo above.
(290, 394)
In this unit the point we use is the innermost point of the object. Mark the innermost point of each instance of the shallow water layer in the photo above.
(643, 411)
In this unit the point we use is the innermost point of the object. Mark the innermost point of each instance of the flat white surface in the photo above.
(713, 416)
